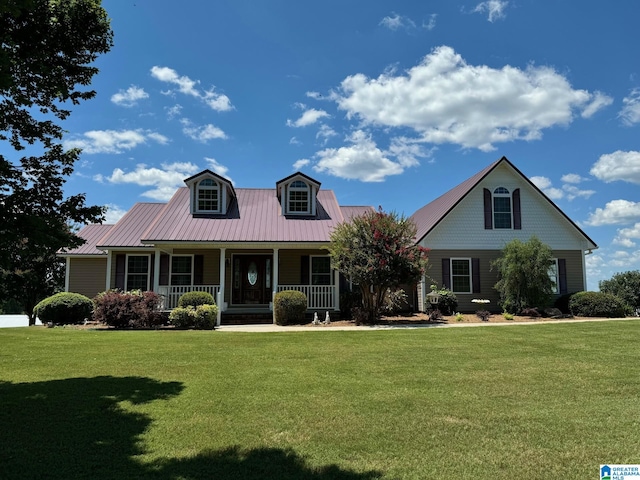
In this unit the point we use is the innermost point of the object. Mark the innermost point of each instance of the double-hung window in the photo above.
(208, 196)
(320, 271)
(137, 273)
(182, 270)
(298, 197)
(461, 275)
(501, 208)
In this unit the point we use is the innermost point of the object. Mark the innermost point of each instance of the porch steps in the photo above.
(246, 318)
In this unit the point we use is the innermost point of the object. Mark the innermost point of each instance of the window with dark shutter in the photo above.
(475, 274)
(562, 276)
(488, 212)
(517, 217)
(446, 273)
(304, 270)
(121, 265)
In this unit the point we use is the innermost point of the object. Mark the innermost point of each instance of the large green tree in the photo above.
(377, 251)
(47, 48)
(523, 275)
(625, 285)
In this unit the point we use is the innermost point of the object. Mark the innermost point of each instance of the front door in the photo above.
(251, 279)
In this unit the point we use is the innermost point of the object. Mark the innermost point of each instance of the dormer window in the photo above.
(209, 193)
(298, 194)
(208, 196)
(298, 197)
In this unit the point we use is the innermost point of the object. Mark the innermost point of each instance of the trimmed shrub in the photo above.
(64, 308)
(202, 317)
(598, 304)
(289, 307)
(193, 299)
(448, 302)
(134, 309)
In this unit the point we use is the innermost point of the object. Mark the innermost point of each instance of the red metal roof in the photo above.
(129, 229)
(91, 234)
(254, 216)
(351, 211)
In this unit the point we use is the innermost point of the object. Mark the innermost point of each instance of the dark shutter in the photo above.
(121, 260)
(164, 269)
(152, 269)
(446, 273)
(198, 269)
(475, 274)
(304, 270)
(562, 276)
(488, 211)
(517, 217)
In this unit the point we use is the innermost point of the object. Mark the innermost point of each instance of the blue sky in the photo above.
(386, 103)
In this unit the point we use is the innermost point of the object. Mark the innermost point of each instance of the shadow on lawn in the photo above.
(75, 428)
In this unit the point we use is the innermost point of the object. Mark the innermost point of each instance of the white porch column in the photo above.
(223, 259)
(156, 271)
(336, 289)
(66, 274)
(276, 270)
(108, 279)
(423, 292)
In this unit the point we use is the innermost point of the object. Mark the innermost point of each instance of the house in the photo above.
(244, 245)
(240, 245)
(467, 227)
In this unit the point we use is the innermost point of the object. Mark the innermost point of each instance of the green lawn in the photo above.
(524, 402)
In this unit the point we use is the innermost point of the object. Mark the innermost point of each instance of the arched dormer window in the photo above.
(298, 197)
(501, 208)
(208, 196)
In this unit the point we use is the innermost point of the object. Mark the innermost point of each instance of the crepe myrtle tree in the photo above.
(377, 251)
(47, 50)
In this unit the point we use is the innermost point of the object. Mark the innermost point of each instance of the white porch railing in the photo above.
(318, 296)
(172, 293)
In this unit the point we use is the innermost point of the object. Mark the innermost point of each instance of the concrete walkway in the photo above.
(371, 328)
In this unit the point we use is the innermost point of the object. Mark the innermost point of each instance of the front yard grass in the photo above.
(534, 402)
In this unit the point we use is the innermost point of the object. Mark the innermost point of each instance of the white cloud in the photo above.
(129, 97)
(174, 111)
(598, 102)
(615, 212)
(164, 181)
(202, 133)
(315, 95)
(494, 8)
(362, 160)
(618, 165)
(217, 101)
(114, 213)
(408, 151)
(573, 178)
(574, 192)
(630, 113)
(294, 141)
(219, 168)
(545, 184)
(113, 141)
(446, 100)
(431, 24)
(325, 133)
(397, 21)
(303, 162)
(309, 117)
(626, 236)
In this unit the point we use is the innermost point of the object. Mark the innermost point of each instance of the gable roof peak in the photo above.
(298, 174)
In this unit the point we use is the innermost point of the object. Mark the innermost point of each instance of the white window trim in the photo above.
(311, 257)
(171, 268)
(470, 274)
(196, 200)
(290, 189)
(556, 289)
(126, 268)
(493, 206)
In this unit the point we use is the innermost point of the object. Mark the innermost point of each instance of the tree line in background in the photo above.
(47, 48)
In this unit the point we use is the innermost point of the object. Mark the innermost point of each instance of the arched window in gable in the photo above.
(502, 208)
(208, 196)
